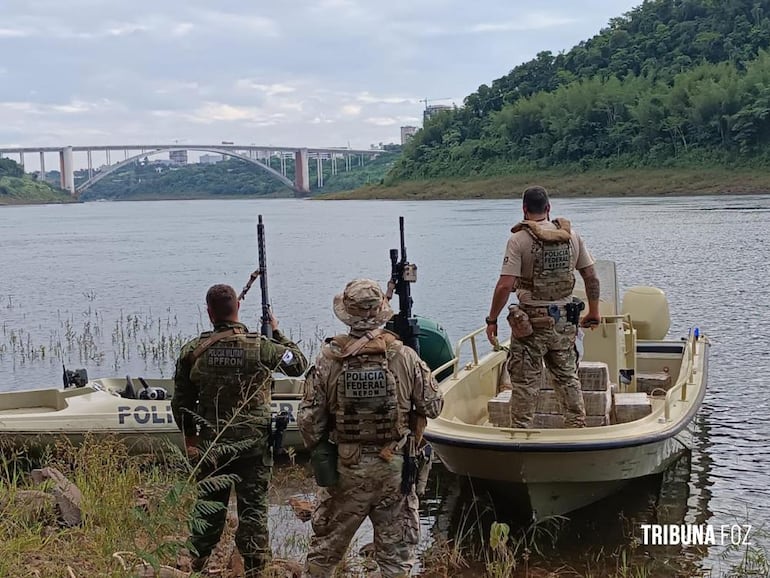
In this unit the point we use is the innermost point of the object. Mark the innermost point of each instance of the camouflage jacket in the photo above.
(417, 390)
(230, 383)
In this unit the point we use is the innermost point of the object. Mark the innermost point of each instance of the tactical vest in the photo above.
(227, 369)
(553, 272)
(367, 399)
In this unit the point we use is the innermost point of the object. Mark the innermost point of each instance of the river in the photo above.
(77, 278)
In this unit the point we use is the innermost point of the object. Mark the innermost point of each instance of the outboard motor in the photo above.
(151, 393)
(76, 378)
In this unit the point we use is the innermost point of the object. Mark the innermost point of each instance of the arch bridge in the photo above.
(258, 156)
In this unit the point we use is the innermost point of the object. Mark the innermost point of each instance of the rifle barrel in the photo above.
(267, 330)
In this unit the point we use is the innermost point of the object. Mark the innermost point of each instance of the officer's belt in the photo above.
(542, 310)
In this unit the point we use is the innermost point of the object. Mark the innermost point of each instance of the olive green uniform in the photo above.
(228, 385)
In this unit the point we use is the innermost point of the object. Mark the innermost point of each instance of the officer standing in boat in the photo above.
(539, 264)
(225, 377)
(359, 395)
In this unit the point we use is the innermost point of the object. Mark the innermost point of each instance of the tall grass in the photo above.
(113, 519)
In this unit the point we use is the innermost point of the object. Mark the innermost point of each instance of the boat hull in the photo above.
(559, 470)
(557, 482)
(37, 418)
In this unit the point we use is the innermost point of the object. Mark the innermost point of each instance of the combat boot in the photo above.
(198, 564)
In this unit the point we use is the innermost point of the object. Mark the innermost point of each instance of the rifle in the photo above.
(266, 328)
(416, 453)
(402, 273)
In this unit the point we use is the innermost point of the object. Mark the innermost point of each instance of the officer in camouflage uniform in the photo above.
(359, 394)
(225, 377)
(539, 264)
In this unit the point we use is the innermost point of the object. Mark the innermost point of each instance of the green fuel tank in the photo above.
(435, 347)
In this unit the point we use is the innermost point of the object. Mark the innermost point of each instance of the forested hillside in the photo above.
(673, 82)
(229, 178)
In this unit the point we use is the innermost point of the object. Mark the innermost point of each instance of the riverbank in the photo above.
(74, 524)
(25, 191)
(606, 183)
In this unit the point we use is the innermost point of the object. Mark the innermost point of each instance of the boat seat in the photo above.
(34, 401)
(30, 409)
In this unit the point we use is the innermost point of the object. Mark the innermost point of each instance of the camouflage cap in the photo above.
(362, 305)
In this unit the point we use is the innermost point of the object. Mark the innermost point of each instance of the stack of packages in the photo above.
(597, 396)
(649, 382)
(631, 406)
(499, 408)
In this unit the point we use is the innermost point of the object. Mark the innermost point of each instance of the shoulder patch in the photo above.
(287, 357)
(427, 372)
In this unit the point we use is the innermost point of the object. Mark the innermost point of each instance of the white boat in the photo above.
(558, 470)
(102, 407)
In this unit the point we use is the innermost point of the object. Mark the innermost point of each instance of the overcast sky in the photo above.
(284, 72)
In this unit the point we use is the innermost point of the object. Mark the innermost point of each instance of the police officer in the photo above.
(539, 264)
(359, 394)
(225, 377)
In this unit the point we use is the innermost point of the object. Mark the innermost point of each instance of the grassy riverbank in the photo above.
(26, 191)
(606, 183)
(134, 511)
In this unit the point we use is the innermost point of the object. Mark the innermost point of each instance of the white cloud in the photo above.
(535, 21)
(175, 86)
(124, 28)
(381, 121)
(13, 33)
(26, 107)
(351, 109)
(212, 111)
(371, 99)
(261, 25)
(221, 112)
(76, 106)
(268, 89)
(182, 29)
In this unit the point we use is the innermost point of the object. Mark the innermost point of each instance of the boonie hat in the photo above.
(362, 305)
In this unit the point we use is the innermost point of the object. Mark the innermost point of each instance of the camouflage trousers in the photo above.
(556, 347)
(254, 468)
(370, 488)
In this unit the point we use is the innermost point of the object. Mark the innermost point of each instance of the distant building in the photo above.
(178, 157)
(407, 132)
(434, 109)
(211, 159)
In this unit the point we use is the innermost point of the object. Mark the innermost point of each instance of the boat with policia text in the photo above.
(138, 410)
(641, 392)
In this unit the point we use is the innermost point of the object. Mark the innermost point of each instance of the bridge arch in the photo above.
(116, 167)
